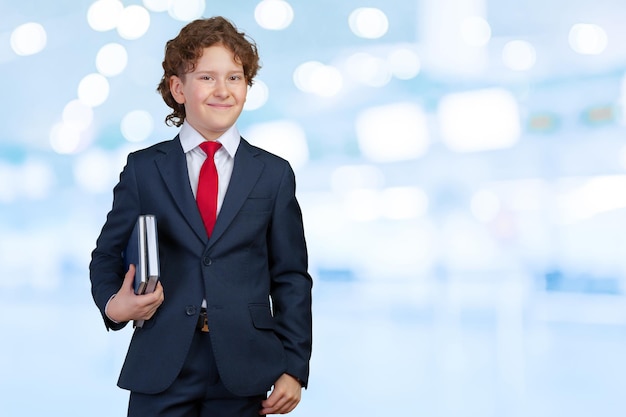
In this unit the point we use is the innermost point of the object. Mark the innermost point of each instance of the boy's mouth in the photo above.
(220, 106)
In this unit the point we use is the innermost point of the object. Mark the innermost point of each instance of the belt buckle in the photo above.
(205, 322)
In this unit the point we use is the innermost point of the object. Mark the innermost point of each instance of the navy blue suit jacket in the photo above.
(252, 271)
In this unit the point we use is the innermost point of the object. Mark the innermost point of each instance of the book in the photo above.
(142, 251)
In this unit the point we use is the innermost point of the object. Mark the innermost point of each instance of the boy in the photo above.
(232, 317)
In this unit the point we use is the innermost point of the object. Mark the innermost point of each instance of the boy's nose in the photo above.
(221, 89)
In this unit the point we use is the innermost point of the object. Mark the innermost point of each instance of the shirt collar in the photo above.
(190, 138)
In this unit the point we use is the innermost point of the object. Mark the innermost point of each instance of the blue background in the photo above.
(447, 282)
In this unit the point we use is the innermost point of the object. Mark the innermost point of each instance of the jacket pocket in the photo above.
(261, 316)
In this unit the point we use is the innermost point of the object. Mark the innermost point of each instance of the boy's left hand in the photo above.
(284, 397)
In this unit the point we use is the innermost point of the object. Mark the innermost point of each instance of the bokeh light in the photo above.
(157, 5)
(94, 171)
(133, 23)
(588, 39)
(258, 95)
(317, 78)
(284, 138)
(103, 15)
(394, 132)
(368, 69)
(346, 178)
(404, 203)
(186, 10)
(77, 115)
(28, 39)
(273, 14)
(363, 205)
(368, 22)
(479, 120)
(65, 139)
(137, 125)
(404, 63)
(93, 89)
(111, 59)
(475, 31)
(519, 55)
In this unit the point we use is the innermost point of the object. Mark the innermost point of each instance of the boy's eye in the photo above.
(236, 77)
(206, 77)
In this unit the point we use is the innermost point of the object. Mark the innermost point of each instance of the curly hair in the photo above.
(182, 54)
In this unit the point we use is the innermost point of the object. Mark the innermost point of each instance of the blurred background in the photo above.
(461, 168)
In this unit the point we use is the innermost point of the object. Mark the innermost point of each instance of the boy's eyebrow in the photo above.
(205, 71)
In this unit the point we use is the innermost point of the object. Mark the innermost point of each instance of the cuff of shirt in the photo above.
(106, 307)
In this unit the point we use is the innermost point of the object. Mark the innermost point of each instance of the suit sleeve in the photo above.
(106, 269)
(291, 282)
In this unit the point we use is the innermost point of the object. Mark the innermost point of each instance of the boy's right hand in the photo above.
(126, 305)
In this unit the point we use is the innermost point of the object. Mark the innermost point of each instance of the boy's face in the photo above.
(214, 93)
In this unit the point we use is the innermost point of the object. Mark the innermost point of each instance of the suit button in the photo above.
(190, 310)
(207, 261)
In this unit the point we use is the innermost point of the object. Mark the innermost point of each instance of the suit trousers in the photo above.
(196, 392)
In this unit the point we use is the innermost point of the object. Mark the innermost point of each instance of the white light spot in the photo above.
(317, 78)
(404, 203)
(94, 171)
(283, 138)
(367, 22)
(111, 59)
(28, 39)
(273, 14)
(133, 23)
(137, 126)
(157, 5)
(475, 31)
(519, 55)
(103, 15)
(594, 196)
(588, 39)
(347, 178)
(64, 139)
(363, 205)
(479, 120)
(368, 69)
(186, 10)
(394, 132)
(404, 63)
(257, 96)
(93, 90)
(303, 75)
(77, 115)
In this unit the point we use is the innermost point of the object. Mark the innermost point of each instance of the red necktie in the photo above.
(206, 196)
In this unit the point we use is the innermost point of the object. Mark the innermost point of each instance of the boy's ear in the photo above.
(176, 88)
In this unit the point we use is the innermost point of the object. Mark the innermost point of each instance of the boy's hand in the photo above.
(127, 306)
(285, 396)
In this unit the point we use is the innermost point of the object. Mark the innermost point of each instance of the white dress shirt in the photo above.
(190, 140)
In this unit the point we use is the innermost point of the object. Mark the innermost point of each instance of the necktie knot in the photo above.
(210, 147)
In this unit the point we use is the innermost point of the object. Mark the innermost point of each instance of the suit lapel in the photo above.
(246, 172)
(173, 168)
